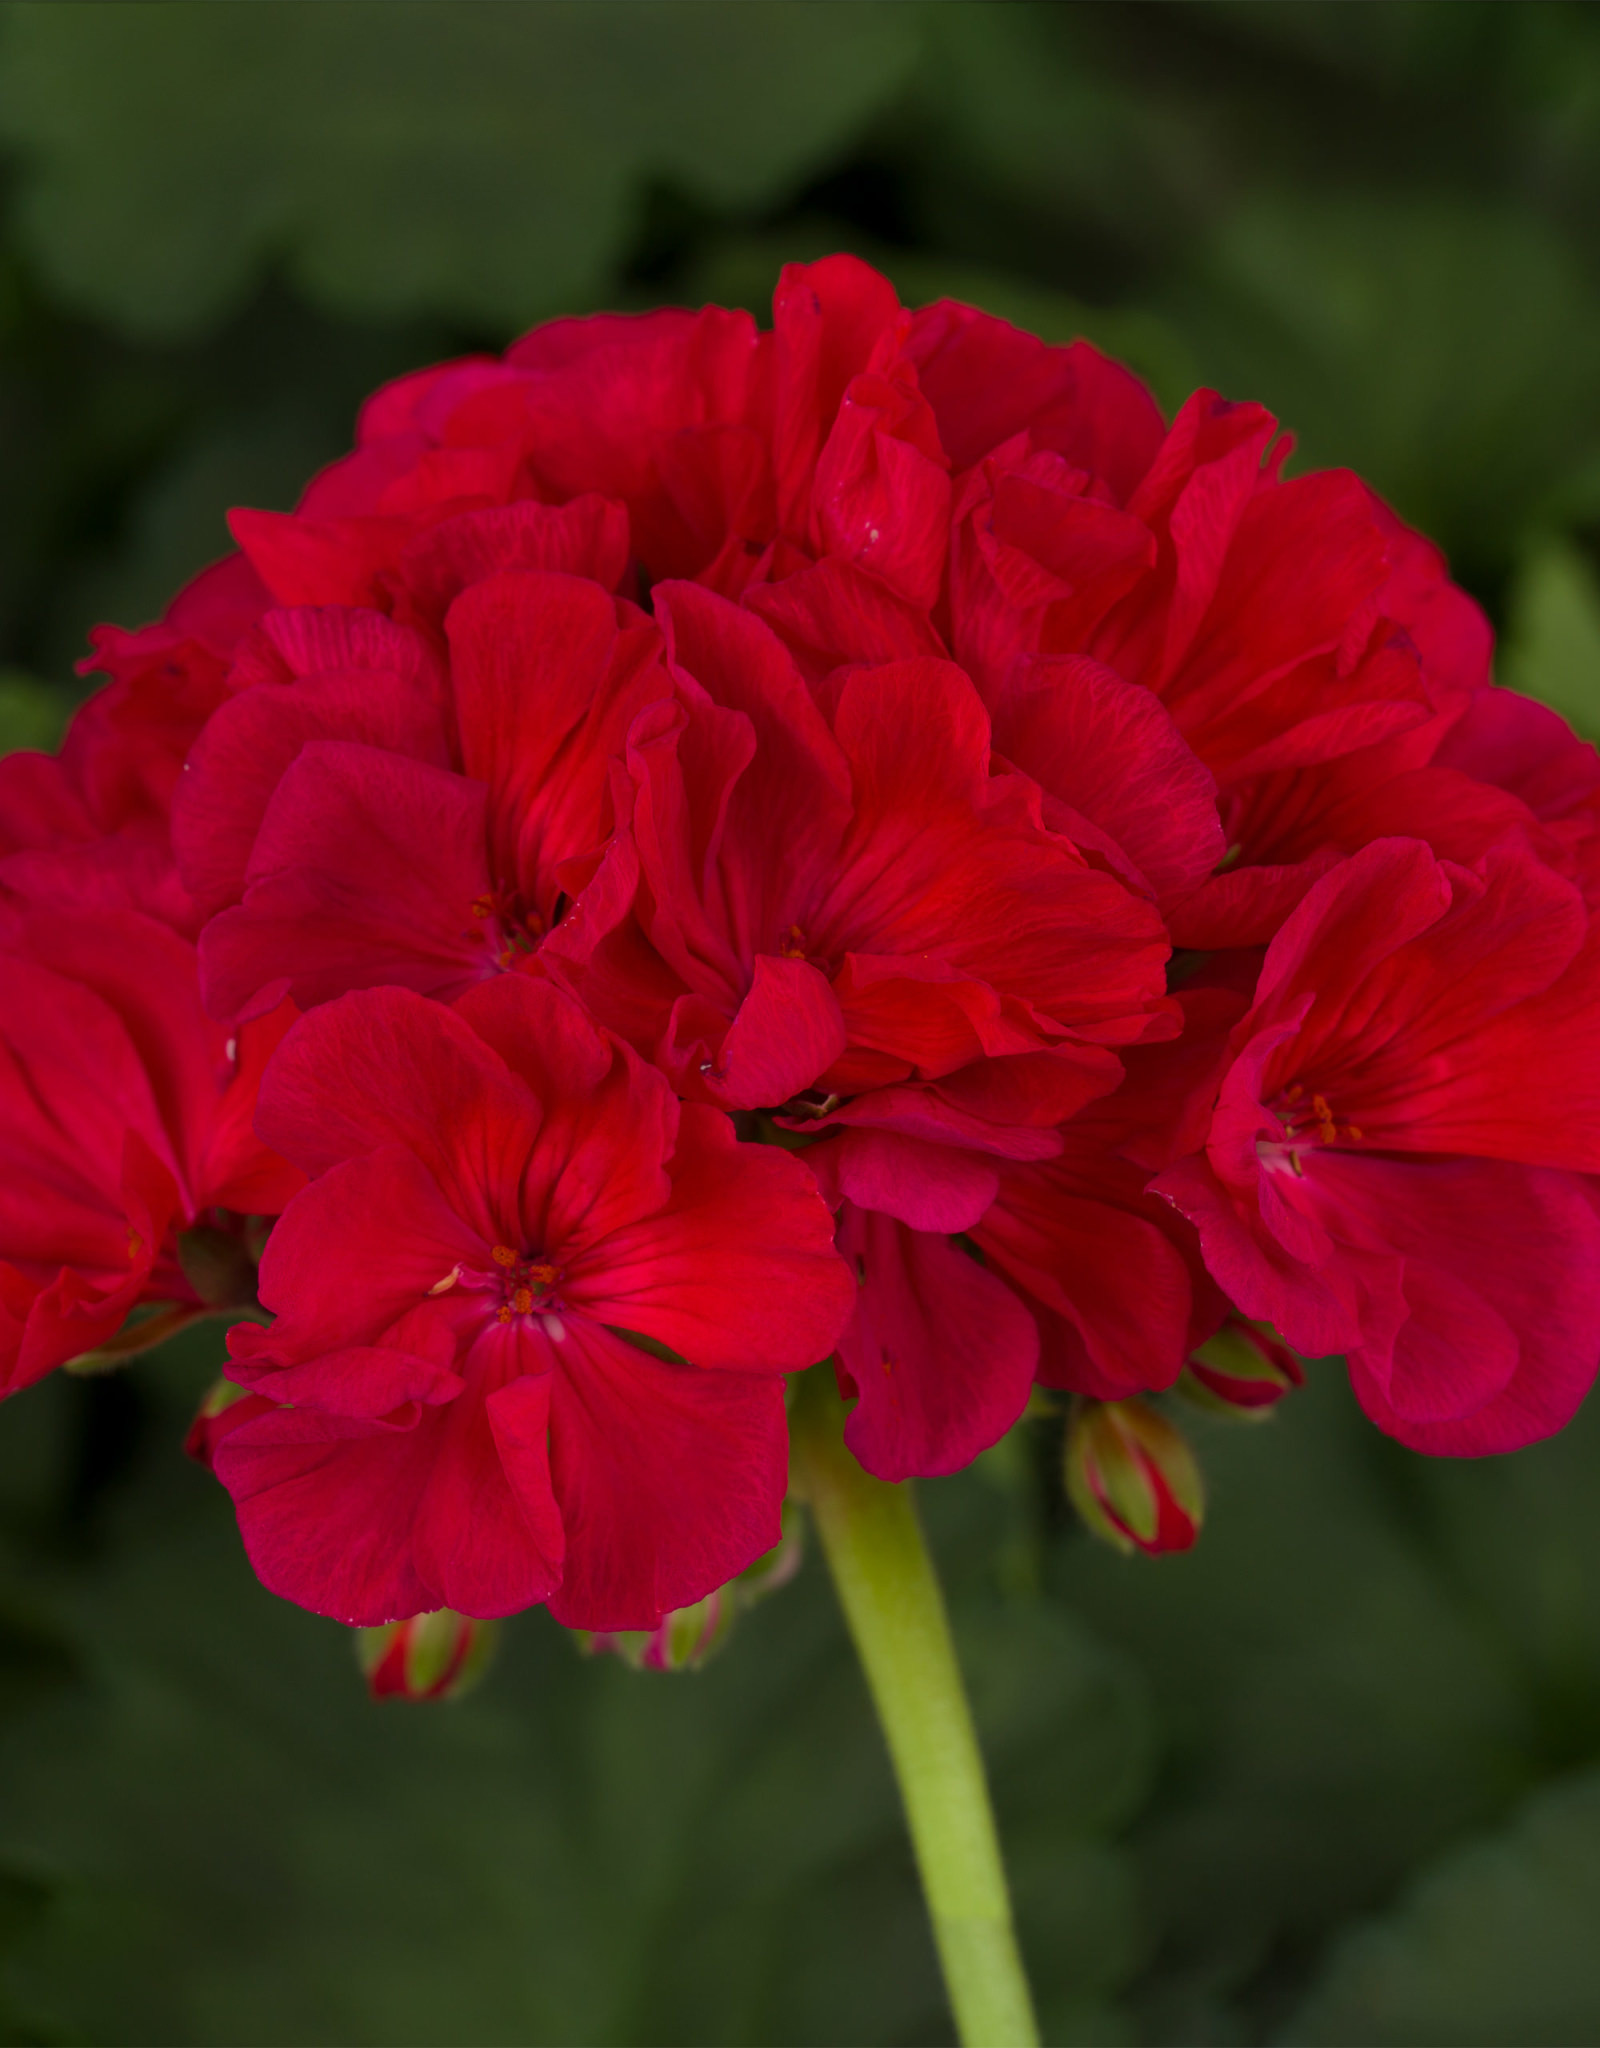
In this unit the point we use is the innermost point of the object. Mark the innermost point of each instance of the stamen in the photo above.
(444, 1286)
(503, 1255)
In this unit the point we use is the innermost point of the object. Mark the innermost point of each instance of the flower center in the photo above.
(505, 929)
(525, 1282)
(1308, 1124)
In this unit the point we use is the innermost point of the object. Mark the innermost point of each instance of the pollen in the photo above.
(1318, 1114)
(503, 1255)
(543, 1274)
(793, 943)
(503, 1313)
(522, 1300)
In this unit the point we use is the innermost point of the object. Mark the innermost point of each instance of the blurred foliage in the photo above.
(1552, 643)
(1331, 1777)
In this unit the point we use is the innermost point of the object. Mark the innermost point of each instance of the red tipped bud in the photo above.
(436, 1656)
(1243, 1371)
(680, 1641)
(687, 1637)
(1132, 1477)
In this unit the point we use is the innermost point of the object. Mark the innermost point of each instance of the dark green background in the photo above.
(1335, 1777)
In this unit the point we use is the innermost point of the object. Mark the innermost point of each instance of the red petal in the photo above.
(738, 1269)
(670, 1480)
(940, 1351)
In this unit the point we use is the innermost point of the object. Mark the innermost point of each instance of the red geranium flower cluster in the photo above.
(854, 839)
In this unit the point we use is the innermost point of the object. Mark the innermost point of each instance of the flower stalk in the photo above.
(874, 1544)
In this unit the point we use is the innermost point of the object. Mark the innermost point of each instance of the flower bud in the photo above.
(1132, 1477)
(689, 1636)
(681, 1641)
(1244, 1371)
(436, 1656)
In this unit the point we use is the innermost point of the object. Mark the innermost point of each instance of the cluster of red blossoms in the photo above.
(696, 850)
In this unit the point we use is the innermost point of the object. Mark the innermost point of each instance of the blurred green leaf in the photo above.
(1552, 641)
(1368, 1655)
(31, 713)
(1493, 1943)
(241, 1847)
(1444, 350)
(479, 159)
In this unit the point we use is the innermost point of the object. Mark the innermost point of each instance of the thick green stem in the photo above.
(891, 1599)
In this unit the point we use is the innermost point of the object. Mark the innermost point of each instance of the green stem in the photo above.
(892, 1602)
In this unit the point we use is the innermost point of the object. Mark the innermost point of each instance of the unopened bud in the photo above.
(1132, 1477)
(1243, 1371)
(687, 1637)
(436, 1656)
(680, 1641)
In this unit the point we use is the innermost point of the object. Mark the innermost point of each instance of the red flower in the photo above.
(732, 456)
(361, 812)
(848, 920)
(89, 825)
(1284, 626)
(507, 1208)
(1393, 1163)
(848, 900)
(1113, 1277)
(125, 1118)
